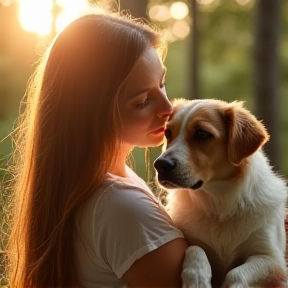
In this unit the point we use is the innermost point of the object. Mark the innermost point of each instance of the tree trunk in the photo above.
(268, 20)
(194, 92)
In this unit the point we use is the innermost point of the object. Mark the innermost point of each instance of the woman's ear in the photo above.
(245, 133)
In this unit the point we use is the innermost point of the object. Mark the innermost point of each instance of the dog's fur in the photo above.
(223, 195)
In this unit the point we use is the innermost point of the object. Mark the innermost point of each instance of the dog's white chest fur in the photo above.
(201, 227)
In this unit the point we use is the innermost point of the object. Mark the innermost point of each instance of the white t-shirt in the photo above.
(122, 222)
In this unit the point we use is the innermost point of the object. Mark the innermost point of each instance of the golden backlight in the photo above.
(49, 16)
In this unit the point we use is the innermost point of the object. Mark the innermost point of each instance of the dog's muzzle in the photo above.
(169, 176)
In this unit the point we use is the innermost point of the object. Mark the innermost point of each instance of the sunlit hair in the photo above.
(66, 140)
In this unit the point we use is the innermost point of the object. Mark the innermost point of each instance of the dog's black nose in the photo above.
(164, 165)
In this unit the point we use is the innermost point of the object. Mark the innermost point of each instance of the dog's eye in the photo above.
(168, 135)
(201, 134)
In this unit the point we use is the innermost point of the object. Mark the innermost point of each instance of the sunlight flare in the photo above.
(36, 16)
(45, 16)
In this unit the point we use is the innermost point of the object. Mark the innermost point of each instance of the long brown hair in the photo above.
(65, 141)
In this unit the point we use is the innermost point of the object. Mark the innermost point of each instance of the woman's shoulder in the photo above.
(127, 195)
(121, 196)
(127, 200)
(127, 185)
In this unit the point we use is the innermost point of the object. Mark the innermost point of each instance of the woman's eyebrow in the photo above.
(147, 89)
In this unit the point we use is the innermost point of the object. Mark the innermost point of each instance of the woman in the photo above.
(82, 218)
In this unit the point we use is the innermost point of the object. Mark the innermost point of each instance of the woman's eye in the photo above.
(142, 104)
(201, 134)
(168, 135)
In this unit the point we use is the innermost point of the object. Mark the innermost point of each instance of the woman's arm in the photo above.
(159, 268)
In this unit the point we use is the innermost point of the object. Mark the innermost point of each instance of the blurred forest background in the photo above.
(225, 49)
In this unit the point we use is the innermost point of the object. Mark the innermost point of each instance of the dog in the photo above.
(223, 195)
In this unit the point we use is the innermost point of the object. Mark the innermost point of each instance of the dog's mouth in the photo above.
(172, 185)
(172, 174)
(168, 184)
(197, 185)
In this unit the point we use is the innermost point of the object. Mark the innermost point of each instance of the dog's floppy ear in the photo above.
(245, 133)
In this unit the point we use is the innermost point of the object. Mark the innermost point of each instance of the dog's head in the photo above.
(207, 140)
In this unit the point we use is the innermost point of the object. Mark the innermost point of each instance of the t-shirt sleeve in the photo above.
(130, 223)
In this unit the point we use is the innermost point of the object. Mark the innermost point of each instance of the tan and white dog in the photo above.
(224, 195)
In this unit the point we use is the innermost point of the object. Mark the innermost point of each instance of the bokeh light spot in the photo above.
(181, 29)
(243, 2)
(179, 10)
(160, 13)
(205, 2)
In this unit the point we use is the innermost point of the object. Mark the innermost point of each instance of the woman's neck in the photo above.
(118, 170)
(119, 166)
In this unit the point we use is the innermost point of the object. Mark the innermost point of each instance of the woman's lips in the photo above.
(160, 130)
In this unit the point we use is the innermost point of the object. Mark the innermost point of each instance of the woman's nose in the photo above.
(166, 108)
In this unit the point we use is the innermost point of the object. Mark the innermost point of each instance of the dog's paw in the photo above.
(234, 279)
(196, 271)
(195, 278)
